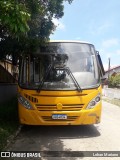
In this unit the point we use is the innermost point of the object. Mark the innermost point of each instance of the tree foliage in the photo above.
(114, 81)
(13, 18)
(25, 24)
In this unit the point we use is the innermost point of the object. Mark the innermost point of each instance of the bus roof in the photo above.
(64, 41)
(70, 41)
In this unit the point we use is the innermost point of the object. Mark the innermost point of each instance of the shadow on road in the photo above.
(51, 138)
(66, 132)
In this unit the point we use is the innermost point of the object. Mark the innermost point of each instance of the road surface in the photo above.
(101, 137)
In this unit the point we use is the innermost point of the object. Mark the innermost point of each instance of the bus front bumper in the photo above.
(83, 117)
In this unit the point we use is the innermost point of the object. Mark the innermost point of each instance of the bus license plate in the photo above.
(59, 116)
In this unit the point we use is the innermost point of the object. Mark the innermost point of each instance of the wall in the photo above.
(7, 65)
(5, 76)
(111, 93)
(7, 91)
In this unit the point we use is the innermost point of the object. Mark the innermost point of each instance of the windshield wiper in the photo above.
(67, 69)
(59, 68)
(73, 78)
(44, 78)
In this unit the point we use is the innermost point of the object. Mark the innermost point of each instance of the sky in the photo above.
(94, 21)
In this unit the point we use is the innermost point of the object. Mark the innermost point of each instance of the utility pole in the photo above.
(108, 68)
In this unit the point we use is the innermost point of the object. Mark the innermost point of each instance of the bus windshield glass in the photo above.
(60, 66)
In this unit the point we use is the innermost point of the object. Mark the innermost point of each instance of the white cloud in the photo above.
(106, 66)
(111, 42)
(104, 52)
(99, 29)
(110, 48)
(103, 27)
(58, 24)
(118, 52)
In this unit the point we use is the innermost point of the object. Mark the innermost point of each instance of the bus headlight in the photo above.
(24, 102)
(94, 101)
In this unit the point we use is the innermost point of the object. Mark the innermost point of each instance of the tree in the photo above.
(114, 81)
(13, 18)
(25, 24)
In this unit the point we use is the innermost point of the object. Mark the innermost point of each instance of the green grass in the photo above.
(8, 121)
(113, 101)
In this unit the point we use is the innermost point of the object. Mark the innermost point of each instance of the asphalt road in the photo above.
(101, 137)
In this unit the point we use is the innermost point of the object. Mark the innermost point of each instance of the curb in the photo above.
(113, 101)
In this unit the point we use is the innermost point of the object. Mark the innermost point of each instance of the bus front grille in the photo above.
(65, 107)
(69, 118)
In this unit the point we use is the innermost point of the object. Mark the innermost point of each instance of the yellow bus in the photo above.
(60, 85)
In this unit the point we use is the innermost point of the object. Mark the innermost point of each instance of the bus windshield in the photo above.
(60, 66)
